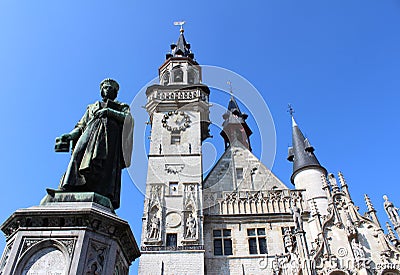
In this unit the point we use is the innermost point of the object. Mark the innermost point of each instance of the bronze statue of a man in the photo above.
(102, 146)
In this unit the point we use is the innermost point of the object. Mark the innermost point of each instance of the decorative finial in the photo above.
(333, 182)
(315, 207)
(324, 181)
(343, 182)
(290, 110)
(230, 87)
(180, 23)
(391, 235)
(368, 203)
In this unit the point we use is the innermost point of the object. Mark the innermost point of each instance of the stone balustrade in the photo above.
(252, 202)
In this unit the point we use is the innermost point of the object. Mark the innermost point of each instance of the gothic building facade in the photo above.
(242, 219)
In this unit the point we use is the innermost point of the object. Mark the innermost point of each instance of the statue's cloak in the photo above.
(101, 152)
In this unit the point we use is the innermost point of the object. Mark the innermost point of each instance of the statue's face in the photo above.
(107, 91)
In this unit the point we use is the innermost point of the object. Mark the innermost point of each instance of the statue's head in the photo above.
(385, 198)
(109, 88)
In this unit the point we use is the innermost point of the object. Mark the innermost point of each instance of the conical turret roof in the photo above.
(301, 153)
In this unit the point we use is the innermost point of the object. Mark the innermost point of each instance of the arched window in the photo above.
(192, 77)
(165, 79)
(178, 75)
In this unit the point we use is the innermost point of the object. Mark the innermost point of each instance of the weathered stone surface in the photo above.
(88, 236)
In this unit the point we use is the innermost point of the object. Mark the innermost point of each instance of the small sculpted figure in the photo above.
(391, 211)
(191, 227)
(298, 220)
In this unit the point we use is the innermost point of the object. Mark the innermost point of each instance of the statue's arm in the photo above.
(79, 127)
(119, 115)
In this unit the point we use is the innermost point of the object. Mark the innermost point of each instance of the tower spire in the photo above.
(307, 171)
(181, 48)
(301, 153)
(234, 125)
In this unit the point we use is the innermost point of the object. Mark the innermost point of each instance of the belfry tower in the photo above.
(173, 214)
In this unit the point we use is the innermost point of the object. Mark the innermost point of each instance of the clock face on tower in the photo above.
(176, 121)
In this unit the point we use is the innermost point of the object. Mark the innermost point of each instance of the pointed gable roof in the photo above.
(238, 159)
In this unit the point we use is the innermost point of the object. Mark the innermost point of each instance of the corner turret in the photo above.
(307, 170)
(235, 126)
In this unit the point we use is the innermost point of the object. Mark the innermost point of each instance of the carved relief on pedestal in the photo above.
(96, 258)
(5, 257)
(120, 265)
(66, 244)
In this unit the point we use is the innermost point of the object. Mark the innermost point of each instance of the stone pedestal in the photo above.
(69, 233)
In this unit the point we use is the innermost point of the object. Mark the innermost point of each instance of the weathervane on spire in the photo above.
(290, 109)
(230, 87)
(180, 23)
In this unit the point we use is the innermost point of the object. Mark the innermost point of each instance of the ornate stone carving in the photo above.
(97, 254)
(191, 227)
(174, 168)
(28, 243)
(191, 195)
(298, 220)
(262, 202)
(69, 245)
(120, 266)
(180, 94)
(288, 240)
(5, 257)
(155, 195)
(391, 211)
(154, 227)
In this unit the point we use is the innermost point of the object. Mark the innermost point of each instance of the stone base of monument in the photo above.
(69, 233)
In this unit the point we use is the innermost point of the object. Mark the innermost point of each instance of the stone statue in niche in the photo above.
(102, 145)
(154, 230)
(391, 211)
(298, 220)
(359, 253)
(287, 239)
(351, 230)
(191, 227)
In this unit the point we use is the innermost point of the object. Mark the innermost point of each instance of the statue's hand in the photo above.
(102, 112)
(66, 137)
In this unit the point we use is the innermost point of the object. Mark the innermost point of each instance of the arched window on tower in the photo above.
(192, 77)
(178, 74)
(165, 79)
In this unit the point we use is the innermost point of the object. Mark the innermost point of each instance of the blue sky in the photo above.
(337, 62)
